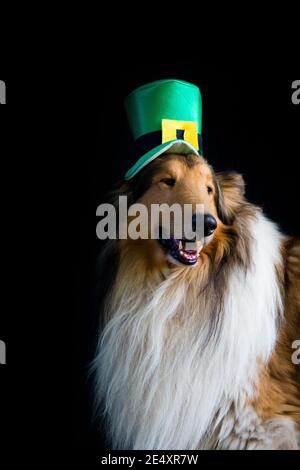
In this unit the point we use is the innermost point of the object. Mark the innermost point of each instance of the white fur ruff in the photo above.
(162, 387)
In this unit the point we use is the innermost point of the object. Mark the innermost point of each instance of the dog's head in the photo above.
(188, 180)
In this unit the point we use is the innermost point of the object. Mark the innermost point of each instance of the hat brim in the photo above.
(181, 147)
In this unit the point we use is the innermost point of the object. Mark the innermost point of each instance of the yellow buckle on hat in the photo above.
(169, 128)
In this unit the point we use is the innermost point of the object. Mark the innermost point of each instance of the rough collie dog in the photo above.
(196, 345)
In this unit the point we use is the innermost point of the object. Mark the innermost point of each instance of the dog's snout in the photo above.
(209, 223)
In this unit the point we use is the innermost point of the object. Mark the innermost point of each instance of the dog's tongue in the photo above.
(189, 255)
(189, 251)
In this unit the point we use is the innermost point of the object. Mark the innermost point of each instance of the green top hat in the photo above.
(164, 117)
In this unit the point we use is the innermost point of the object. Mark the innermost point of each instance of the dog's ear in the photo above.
(229, 195)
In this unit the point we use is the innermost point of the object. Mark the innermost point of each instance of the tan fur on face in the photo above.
(194, 184)
(192, 176)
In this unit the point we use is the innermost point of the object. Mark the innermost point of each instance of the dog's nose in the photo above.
(209, 223)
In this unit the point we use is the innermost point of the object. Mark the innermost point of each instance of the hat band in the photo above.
(147, 142)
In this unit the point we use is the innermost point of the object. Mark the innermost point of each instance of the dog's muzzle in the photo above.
(187, 251)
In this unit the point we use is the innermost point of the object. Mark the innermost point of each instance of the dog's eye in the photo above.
(209, 189)
(168, 181)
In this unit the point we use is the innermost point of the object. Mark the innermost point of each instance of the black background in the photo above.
(80, 150)
(5, 372)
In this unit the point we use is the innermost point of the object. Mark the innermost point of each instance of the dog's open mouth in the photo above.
(182, 251)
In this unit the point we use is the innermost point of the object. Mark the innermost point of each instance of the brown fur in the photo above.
(279, 385)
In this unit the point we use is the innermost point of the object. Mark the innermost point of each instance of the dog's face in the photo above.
(174, 179)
